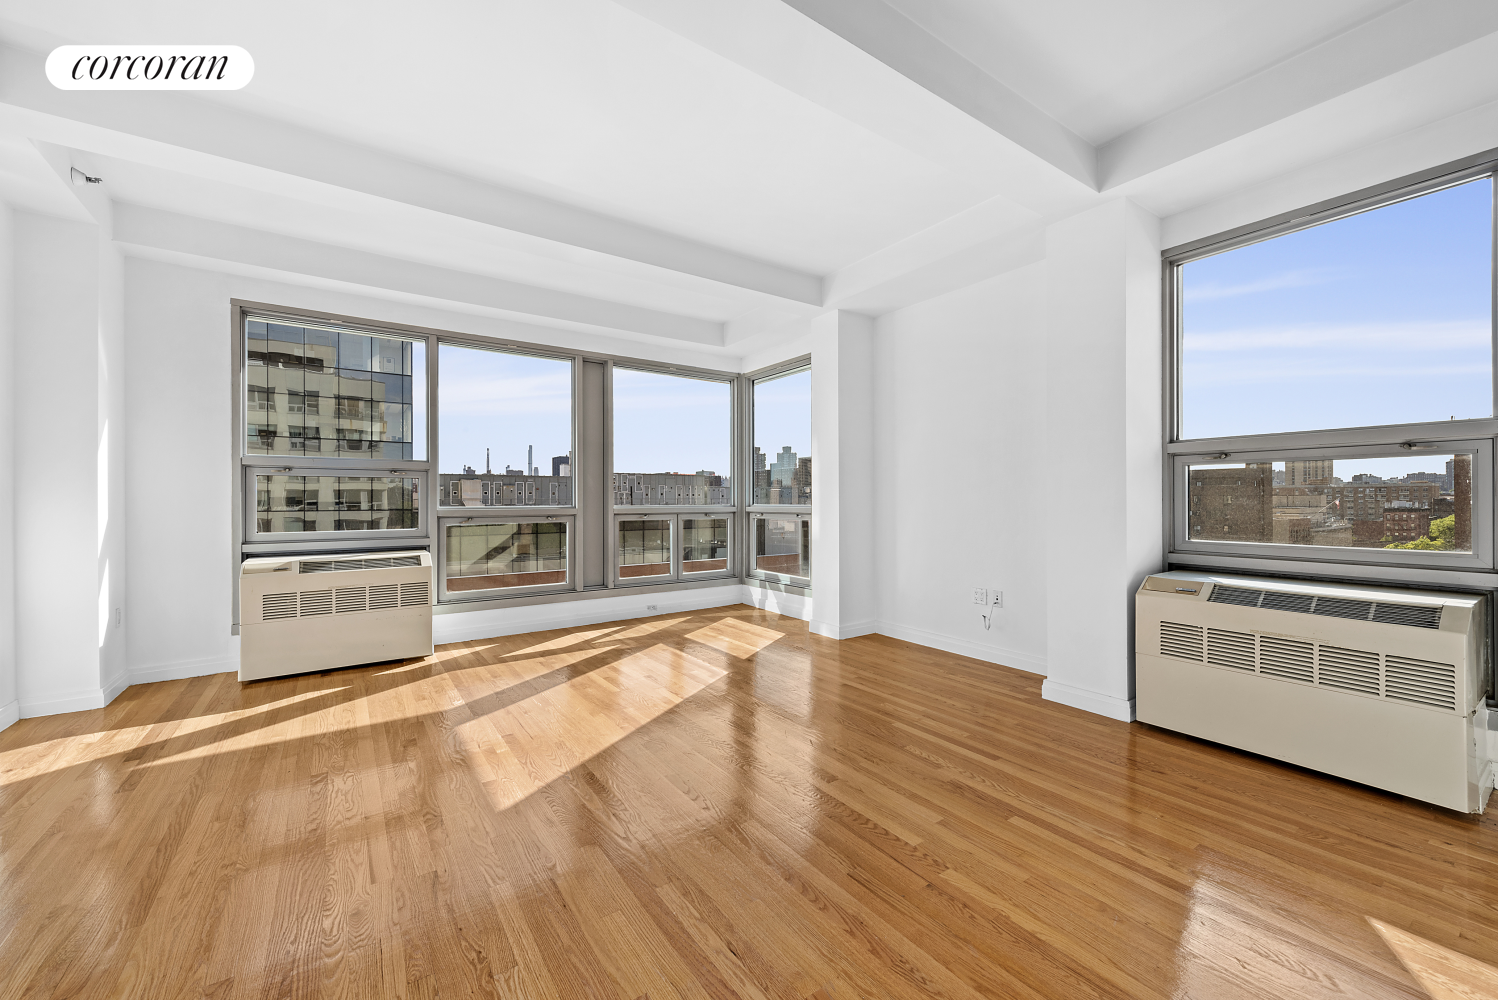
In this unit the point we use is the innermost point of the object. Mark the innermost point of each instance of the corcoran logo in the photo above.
(149, 67)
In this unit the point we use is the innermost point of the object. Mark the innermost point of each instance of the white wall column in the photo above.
(68, 397)
(10, 705)
(844, 599)
(1103, 380)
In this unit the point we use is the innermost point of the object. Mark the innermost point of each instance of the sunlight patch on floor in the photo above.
(736, 638)
(531, 743)
(1445, 974)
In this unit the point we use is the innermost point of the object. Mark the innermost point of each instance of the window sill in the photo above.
(593, 593)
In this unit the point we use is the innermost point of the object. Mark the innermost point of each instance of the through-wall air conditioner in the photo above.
(1381, 686)
(299, 614)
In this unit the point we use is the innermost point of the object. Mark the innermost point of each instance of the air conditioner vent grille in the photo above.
(1241, 596)
(1336, 607)
(1286, 658)
(276, 606)
(1230, 649)
(347, 599)
(1183, 641)
(1422, 682)
(1415, 616)
(345, 565)
(1347, 669)
(1406, 614)
(384, 595)
(415, 593)
(316, 602)
(1299, 603)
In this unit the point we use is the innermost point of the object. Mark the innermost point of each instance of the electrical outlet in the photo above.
(998, 598)
(652, 608)
(980, 595)
(119, 616)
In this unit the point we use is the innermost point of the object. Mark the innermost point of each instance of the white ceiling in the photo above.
(1102, 69)
(703, 170)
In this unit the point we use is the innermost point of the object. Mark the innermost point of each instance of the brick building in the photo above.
(1234, 504)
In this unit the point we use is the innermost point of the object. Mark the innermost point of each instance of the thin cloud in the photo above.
(1414, 338)
(1302, 278)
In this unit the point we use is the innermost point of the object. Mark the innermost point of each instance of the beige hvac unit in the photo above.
(308, 613)
(1377, 685)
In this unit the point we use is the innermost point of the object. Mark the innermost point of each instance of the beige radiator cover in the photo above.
(300, 645)
(1423, 752)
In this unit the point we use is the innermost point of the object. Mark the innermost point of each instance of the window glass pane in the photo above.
(782, 548)
(672, 440)
(333, 393)
(336, 503)
(781, 460)
(644, 549)
(1422, 503)
(1378, 318)
(505, 556)
(704, 545)
(505, 429)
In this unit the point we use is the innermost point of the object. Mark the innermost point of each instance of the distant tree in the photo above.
(1441, 536)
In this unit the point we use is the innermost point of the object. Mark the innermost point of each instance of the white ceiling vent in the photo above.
(1378, 685)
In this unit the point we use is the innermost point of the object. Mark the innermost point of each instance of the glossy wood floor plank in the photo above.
(703, 807)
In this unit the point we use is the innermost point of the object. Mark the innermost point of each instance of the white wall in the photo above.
(10, 707)
(959, 415)
(57, 463)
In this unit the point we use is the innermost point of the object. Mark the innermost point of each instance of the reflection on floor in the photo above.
(706, 805)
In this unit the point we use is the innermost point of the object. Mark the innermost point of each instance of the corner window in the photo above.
(780, 459)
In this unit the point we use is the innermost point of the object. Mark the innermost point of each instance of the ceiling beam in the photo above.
(207, 138)
(136, 225)
(1374, 50)
(910, 50)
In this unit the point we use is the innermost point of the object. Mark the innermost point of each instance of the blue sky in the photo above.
(503, 402)
(1379, 318)
(667, 423)
(662, 423)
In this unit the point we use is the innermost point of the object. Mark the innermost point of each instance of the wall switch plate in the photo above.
(980, 595)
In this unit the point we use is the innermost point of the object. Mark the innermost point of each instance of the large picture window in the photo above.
(673, 439)
(1334, 385)
(504, 426)
(529, 472)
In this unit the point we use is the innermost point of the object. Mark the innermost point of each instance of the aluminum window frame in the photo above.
(245, 541)
(574, 359)
(732, 380)
(445, 596)
(1477, 434)
(753, 572)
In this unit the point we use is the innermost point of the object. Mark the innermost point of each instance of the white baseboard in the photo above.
(852, 631)
(495, 622)
(183, 669)
(966, 647)
(116, 687)
(778, 602)
(10, 714)
(82, 701)
(1109, 706)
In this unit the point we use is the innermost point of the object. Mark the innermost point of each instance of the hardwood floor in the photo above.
(707, 805)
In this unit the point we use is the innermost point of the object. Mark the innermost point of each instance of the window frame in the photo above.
(1475, 434)
(439, 560)
(588, 515)
(775, 371)
(755, 573)
(675, 515)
